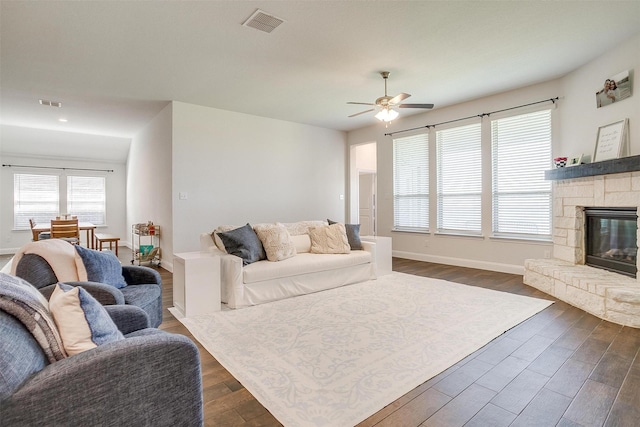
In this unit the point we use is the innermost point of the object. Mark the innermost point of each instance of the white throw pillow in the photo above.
(330, 239)
(302, 243)
(83, 323)
(276, 241)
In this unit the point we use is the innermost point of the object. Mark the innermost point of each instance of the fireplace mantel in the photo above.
(606, 167)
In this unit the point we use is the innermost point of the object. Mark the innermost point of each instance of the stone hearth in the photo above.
(610, 296)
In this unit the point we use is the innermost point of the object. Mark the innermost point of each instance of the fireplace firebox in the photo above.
(611, 239)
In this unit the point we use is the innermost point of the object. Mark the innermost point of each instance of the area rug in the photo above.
(336, 357)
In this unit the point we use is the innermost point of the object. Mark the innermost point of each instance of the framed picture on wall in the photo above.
(610, 143)
(614, 89)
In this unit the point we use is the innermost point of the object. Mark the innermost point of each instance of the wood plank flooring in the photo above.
(562, 367)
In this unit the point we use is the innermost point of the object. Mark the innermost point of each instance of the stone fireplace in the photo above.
(606, 294)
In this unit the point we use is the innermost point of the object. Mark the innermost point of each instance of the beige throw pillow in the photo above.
(330, 239)
(276, 241)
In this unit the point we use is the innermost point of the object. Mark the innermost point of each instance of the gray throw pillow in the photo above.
(102, 267)
(353, 235)
(244, 243)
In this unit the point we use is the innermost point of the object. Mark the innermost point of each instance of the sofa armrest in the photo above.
(128, 318)
(105, 294)
(149, 379)
(206, 241)
(231, 284)
(369, 246)
(140, 275)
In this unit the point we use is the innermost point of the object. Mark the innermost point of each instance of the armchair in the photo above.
(150, 378)
(144, 286)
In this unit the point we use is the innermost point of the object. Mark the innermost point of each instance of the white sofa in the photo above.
(264, 281)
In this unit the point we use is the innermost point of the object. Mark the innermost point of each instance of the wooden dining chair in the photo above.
(66, 229)
(36, 235)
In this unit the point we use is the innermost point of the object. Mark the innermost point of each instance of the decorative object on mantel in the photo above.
(612, 141)
(560, 162)
(614, 89)
(575, 161)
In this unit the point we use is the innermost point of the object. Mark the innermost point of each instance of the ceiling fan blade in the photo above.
(415, 106)
(361, 103)
(399, 98)
(362, 112)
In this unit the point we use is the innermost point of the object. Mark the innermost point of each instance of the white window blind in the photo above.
(459, 163)
(86, 198)
(36, 197)
(521, 152)
(411, 183)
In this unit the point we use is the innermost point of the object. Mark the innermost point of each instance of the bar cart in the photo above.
(145, 243)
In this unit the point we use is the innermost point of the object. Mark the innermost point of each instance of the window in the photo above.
(43, 197)
(34, 196)
(411, 183)
(86, 198)
(521, 151)
(459, 163)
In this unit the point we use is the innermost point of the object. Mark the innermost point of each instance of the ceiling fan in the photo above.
(386, 104)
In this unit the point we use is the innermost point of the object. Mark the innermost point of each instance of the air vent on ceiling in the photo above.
(50, 103)
(260, 20)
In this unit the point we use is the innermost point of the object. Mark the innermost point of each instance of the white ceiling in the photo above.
(115, 64)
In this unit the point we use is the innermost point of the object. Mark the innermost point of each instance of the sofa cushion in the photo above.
(102, 267)
(302, 243)
(276, 241)
(330, 239)
(302, 264)
(302, 227)
(82, 321)
(353, 235)
(244, 243)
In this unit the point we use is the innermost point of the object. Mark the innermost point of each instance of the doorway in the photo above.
(363, 170)
(367, 203)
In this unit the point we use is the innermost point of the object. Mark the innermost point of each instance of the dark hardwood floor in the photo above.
(561, 367)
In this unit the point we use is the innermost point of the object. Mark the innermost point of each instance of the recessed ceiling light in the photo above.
(63, 120)
(50, 103)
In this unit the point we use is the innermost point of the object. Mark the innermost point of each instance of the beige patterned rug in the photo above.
(336, 357)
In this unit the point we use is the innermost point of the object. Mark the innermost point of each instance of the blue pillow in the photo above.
(102, 267)
(83, 323)
(243, 242)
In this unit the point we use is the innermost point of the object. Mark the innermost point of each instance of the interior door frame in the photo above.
(355, 168)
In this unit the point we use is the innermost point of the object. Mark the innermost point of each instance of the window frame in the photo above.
(21, 217)
(447, 194)
(543, 165)
(62, 199)
(419, 194)
(82, 216)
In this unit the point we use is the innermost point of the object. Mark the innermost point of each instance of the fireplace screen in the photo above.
(611, 239)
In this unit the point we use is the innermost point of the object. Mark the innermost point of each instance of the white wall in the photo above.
(236, 168)
(149, 181)
(581, 118)
(11, 240)
(575, 124)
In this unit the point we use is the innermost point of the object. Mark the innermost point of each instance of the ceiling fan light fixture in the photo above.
(386, 114)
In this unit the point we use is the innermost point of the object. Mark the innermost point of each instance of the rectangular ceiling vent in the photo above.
(50, 103)
(260, 20)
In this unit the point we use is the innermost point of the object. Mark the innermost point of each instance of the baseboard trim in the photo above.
(461, 262)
